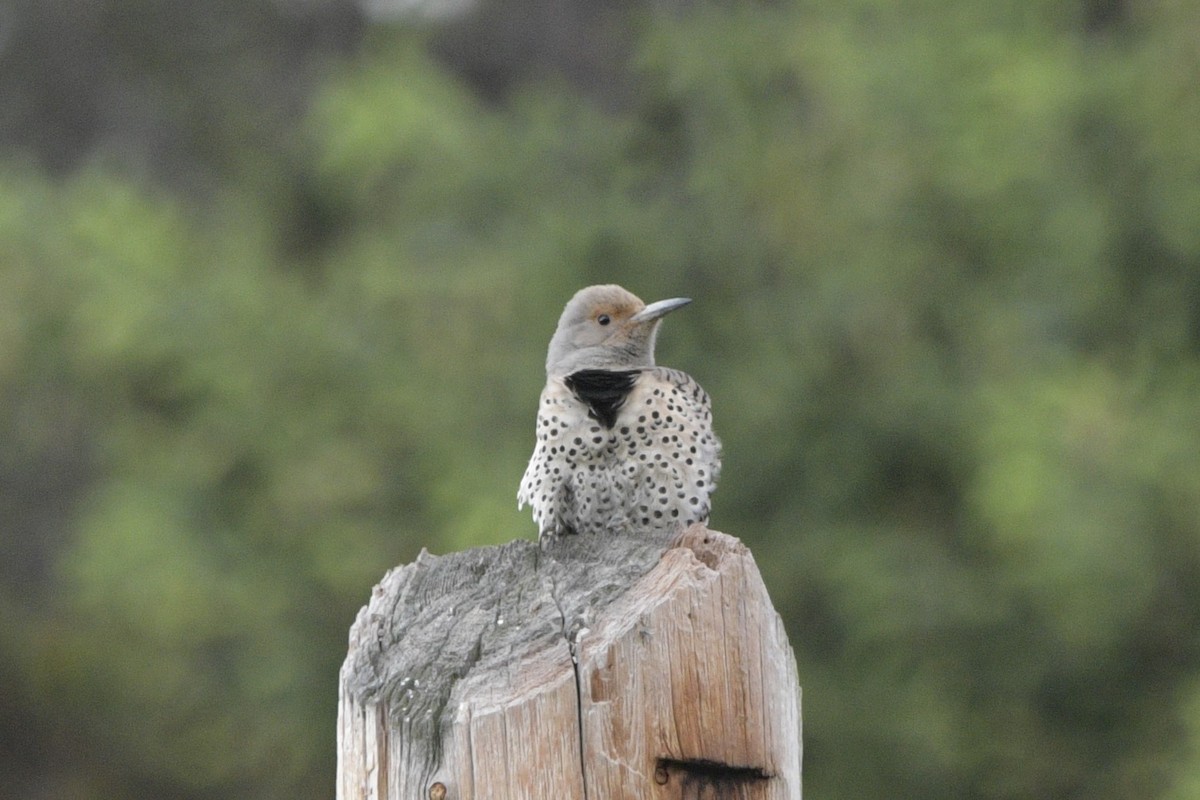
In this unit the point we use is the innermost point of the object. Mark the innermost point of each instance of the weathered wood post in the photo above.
(592, 668)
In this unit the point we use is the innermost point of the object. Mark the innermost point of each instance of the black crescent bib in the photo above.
(603, 391)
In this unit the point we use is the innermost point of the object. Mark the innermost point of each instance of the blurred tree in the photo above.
(225, 512)
(184, 93)
(500, 46)
(948, 308)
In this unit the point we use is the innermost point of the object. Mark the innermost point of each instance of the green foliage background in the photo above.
(946, 263)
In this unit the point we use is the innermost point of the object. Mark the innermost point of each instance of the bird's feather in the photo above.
(603, 391)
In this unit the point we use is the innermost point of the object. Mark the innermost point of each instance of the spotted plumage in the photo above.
(622, 444)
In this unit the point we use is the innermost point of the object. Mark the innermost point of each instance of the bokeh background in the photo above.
(276, 282)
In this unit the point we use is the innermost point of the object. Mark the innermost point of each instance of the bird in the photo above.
(622, 444)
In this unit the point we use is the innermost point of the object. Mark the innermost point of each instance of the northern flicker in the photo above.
(621, 443)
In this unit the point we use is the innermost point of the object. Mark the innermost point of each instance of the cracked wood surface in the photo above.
(588, 668)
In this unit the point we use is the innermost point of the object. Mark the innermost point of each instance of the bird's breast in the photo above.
(618, 450)
(603, 391)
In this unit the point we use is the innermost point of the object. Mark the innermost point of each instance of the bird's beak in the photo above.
(660, 309)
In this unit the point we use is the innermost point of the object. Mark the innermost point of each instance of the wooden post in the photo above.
(591, 668)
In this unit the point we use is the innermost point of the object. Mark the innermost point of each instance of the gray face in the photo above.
(606, 327)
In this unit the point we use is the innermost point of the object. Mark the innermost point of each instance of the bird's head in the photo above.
(606, 327)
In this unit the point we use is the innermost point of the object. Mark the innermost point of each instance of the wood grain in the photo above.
(589, 668)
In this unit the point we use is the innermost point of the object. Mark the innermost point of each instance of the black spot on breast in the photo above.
(603, 391)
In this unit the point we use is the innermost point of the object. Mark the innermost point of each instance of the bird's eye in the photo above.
(603, 319)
